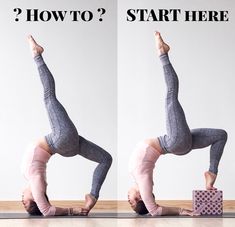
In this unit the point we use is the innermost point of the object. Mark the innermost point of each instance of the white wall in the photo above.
(203, 55)
(82, 58)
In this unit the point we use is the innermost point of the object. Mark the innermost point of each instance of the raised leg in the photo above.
(178, 138)
(64, 134)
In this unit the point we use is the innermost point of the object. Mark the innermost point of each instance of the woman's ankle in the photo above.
(161, 46)
(34, 47)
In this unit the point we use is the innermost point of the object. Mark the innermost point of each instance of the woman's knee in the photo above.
(224, 134)
(108, 159)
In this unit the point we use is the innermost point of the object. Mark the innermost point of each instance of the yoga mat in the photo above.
(133, 215)
(27, 216)
(108, 215)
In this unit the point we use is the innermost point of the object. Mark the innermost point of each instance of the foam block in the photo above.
(208, 202)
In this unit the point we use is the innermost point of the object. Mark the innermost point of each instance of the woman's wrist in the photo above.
(181, 210)
(70, 211)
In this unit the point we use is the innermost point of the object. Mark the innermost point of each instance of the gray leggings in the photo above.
(180, 139)
(64, 138)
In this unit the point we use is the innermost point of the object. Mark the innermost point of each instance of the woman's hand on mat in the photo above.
(186, 212)
(80, 212)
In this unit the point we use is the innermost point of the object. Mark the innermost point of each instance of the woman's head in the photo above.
(29, 203)
(136, 202)
(32, 208)
(134, 197)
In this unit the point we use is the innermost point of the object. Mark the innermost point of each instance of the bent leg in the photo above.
(178, 139)
(216, 138)
(95, 153)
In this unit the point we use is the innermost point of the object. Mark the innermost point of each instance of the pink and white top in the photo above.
(142, 163)
(34, 170)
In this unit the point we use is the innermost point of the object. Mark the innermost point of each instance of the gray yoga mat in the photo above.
(133, 215)
(107, 215)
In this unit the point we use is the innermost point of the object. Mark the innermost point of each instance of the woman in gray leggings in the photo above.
(179, 140)
(64, 140)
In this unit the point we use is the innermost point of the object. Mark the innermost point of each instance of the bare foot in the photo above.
(80, 212)
(34, 47)
(210, 180)
(90, 201)
(162, 47)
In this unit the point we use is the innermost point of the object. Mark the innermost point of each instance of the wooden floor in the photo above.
(112, 207)
(171, 222)
(119, 223)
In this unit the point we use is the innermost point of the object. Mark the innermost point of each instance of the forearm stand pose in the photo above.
(63, 140)
(179, 140)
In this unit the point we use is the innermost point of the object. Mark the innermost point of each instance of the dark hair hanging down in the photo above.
(141, 208)
(33, 208)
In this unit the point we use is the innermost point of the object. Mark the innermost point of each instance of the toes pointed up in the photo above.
(161, 46)
(34, 47)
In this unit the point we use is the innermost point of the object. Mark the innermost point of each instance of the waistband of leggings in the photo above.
(161, 142)
(50, 144)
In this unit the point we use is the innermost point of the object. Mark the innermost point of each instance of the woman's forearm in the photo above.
(171, 210)
(71, 211)
(178, 211)
(63, 211)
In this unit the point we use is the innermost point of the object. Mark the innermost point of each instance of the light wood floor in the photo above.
(119, 223)
(111, 206)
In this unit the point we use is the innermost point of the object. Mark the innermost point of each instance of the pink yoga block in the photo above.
(208, 202)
